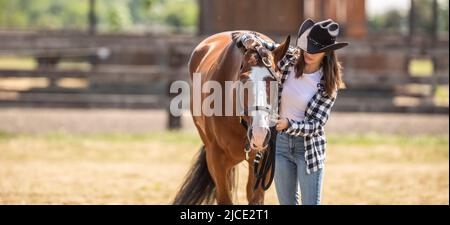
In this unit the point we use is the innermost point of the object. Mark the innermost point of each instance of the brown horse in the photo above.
(218, 58)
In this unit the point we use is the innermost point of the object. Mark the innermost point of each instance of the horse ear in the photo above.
(281, 50)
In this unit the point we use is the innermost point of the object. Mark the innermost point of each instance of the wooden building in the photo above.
(280, 17)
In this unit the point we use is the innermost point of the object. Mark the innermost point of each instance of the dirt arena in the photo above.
(61, 156)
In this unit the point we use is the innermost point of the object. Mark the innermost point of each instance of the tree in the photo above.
(391, 21)
(396, 21)
(49, 14)
(112, 15)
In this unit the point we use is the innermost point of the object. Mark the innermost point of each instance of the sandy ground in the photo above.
(53, 156)
(66, 169)
(141, 121)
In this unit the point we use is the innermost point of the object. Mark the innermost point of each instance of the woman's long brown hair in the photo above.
(332, 70)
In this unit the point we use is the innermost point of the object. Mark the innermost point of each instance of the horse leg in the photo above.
(254, 197)
(219, 167)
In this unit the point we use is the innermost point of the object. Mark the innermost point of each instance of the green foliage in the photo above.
(397, 21)
(112, 15)
(35, 14)
(424, 16)
(391, 21)
(443, 16)
(176, 13)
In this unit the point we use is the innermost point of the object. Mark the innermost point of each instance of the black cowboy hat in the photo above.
(319, 37)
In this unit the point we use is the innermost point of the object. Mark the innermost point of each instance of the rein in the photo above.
(263, 162)
(267, 164)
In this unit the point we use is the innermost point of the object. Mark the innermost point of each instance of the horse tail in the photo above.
(198, 186)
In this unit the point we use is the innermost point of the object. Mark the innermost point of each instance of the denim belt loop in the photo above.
(291, 143)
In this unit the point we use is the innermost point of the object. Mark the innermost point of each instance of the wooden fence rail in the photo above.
(135, 71)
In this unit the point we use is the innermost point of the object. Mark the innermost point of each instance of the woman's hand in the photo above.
(281, 124)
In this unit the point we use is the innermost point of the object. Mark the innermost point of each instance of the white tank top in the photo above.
(297, 93)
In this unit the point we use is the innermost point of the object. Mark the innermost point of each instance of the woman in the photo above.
(311, 79)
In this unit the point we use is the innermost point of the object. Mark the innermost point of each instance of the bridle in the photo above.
(267, 63)
(268, 66)
(263, 162)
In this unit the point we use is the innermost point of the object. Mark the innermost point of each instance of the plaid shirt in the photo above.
(316, 114)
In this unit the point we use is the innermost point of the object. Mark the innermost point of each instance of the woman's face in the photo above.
(311, 59)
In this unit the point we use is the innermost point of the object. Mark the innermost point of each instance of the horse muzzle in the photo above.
(258, 138)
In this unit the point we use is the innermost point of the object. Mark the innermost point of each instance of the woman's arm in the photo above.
(320, 109)
(304, 128)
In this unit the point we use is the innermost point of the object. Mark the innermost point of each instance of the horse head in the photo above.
(259, 79)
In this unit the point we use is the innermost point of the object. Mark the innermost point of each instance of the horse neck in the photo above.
(228, 63)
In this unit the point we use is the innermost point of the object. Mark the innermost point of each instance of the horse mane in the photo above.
(235, 36)
(231, 56)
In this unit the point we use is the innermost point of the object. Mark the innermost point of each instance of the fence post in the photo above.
(174, 62)
(173, 122)
(411, 20)
(49, 63)
(92, 17)
(434, 22)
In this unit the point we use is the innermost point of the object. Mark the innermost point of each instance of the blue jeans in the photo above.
(290, 173)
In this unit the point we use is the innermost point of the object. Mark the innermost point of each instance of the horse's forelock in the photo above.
(235, 36)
